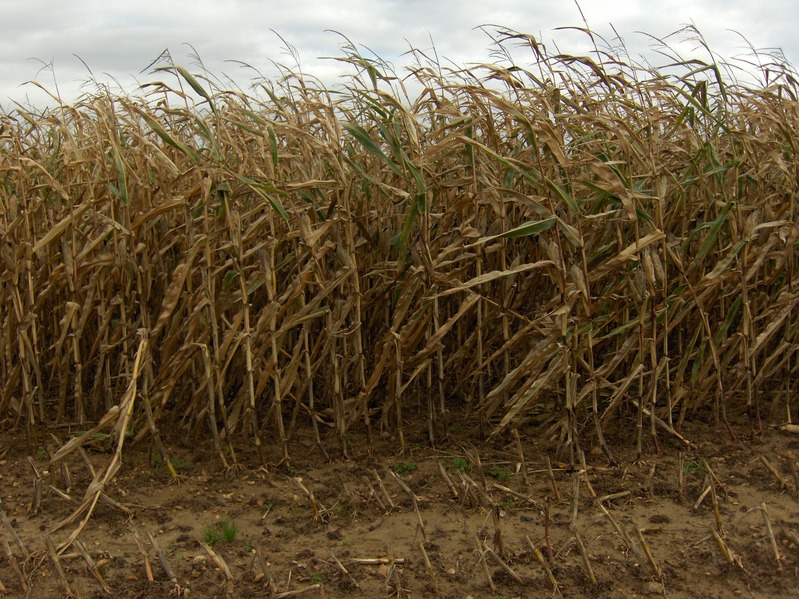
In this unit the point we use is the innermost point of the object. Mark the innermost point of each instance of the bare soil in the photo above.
(356, 539)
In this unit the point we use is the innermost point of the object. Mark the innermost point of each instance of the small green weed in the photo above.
(501, 473)
(317, 578)
(689, 467)
(404, 467)
(461, 464)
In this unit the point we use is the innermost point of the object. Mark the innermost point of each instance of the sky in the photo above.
(65, 45)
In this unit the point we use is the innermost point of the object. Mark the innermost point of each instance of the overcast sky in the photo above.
(119, 39)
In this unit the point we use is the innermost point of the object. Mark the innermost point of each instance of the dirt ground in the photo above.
(460, 520)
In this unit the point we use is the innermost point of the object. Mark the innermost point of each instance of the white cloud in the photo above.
(119, 39)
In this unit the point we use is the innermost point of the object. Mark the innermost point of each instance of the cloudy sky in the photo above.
(45, 39)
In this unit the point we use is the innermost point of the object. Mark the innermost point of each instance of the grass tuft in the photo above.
(211, 535)
(229, 530)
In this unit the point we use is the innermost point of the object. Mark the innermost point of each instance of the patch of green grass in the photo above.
(404, 467)
(317, 578)
(501, 473)
(210, 535)
(229, 530)
(689, 467)
(461, 464)
(225, 530)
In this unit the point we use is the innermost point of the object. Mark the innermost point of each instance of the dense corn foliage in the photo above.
(583, 244)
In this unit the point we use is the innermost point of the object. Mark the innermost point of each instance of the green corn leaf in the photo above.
(564, 195)
(572, 234)
(712, 236)
(360, 134)
(265, 191)
(732, 313)
(195, 85)
(533, 227)
(416, 174)
(272, 144)
(168, 139)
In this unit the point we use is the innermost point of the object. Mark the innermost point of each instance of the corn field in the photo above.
(573, 245)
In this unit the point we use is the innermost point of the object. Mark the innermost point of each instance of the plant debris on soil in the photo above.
(718, 519)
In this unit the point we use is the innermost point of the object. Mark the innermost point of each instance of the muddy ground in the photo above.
(348, 528)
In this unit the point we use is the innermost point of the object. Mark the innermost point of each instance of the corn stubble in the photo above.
(576, 243)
